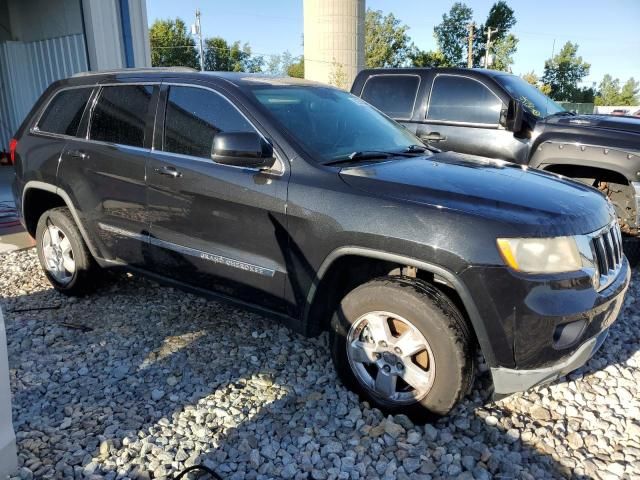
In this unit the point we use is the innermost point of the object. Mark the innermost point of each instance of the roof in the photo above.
(240, 79)
(482, 71)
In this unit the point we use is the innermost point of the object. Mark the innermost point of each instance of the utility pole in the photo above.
(197, 30)
(471, 27)
(490, 32)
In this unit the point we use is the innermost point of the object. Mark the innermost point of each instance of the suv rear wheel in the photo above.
(63, 255)
(402, 345)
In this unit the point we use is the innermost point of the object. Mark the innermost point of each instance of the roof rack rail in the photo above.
(136, 70)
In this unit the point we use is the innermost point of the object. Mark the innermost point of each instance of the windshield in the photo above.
(533, 99)
(331, 124)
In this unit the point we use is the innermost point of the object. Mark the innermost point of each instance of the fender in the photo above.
(559, 152)
(48, 187)
(449, 276)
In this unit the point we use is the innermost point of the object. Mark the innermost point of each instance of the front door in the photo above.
(214, 226)
(464, 115)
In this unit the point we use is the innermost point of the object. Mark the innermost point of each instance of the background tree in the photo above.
(629, 93)
(171, 45)
(422, 58)
(534, 80)
(297, 69)
(610, 93)
(503, 51)
(386, 43)
(337, 76)
(564, 71)
(451, 35)
(503, 43)
(224, 57)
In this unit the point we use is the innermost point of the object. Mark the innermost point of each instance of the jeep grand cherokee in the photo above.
(306, 203)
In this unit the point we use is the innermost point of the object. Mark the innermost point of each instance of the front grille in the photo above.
(607, 245)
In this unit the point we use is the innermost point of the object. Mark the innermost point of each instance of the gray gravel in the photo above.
(141, 381)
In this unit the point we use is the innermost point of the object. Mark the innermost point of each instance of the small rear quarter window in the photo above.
(64, 112)
(395, 95)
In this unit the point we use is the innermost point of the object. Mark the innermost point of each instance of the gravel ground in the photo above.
(140, 381)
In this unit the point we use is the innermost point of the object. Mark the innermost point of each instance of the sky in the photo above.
(607, 31)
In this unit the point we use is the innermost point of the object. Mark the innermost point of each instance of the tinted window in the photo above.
(64, 113)
(119, 116)
(460, 99)
(533, 99)
(393, 94)
(194, 116)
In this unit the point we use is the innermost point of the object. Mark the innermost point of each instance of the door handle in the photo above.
(78, 154)
(168, 171)
(433, 137)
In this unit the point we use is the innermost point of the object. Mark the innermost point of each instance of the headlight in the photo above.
(541, 255)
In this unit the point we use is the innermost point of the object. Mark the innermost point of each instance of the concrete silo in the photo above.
(333, 40)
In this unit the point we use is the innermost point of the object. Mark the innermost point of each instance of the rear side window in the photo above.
(461, 99)
(193, 118)
(120, 114)
(395, 95)
(64, 112)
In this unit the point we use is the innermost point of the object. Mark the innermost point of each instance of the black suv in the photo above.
(499, 115)
(306, 203)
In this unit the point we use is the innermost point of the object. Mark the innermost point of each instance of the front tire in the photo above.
(631, 247)
(403, 346)
(63, 254)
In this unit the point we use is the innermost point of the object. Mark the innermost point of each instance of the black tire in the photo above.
(437, 319)
(86, 275)
(631, 247)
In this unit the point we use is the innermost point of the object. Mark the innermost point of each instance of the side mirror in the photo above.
(514, 116)
(242, 149)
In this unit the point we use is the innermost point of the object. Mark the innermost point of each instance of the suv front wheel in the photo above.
(402, 345)
(63, 255)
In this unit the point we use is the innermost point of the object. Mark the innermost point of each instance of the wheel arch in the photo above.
(445, 277)
(35, 193)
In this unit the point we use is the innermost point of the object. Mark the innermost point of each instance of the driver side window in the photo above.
(193, 118)
(463, 100)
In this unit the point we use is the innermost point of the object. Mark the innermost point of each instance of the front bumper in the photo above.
(507, 381)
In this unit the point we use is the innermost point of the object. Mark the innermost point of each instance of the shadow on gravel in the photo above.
(140, 381)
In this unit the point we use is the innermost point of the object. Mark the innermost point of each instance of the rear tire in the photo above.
(410, 308)
(63, 254)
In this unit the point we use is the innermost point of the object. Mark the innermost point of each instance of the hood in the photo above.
(609, 122)
(528, 202)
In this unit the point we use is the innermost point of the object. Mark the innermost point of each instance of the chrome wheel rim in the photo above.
(58, 255)
(390, 357)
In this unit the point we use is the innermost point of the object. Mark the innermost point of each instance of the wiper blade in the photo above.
(422, 149)
(561, 114)
(363, 155)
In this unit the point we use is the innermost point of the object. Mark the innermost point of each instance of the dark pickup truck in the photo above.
(499, 115)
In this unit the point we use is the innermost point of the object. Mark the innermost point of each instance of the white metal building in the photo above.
(44, 40)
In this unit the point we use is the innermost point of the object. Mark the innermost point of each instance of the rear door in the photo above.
(396, 95)
(105, 171)
(217, 227)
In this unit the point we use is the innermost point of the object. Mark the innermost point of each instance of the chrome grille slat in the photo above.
(607, 246)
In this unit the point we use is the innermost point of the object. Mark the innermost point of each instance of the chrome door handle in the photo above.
(168, 171)
(78, 154)
(433, 137)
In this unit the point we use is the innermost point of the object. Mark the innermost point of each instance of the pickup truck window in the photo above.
(533, 99)
(194, 116)
(460, 99)
(330, 123)
(119, 116)
(64, 112)
(395, 95)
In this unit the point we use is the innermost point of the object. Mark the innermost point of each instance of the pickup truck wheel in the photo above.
(63, 255)
(402, 345)
(631, 247)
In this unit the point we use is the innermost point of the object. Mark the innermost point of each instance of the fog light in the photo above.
(568, 333)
